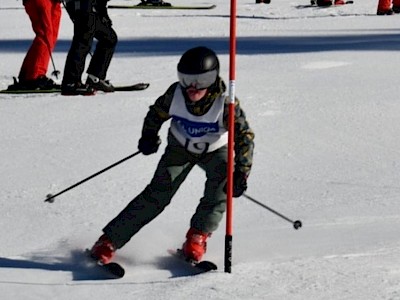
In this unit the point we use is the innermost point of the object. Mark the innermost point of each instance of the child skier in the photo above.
(198, 106)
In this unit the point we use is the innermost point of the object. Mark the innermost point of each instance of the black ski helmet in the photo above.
(199, 60)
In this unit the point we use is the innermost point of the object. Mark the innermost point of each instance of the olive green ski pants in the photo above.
(173, 167)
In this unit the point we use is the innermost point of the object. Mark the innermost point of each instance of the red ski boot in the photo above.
(103, 250)
(195, 245)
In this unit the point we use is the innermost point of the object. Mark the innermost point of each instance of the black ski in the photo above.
(203, 266)
(122, 88)
(113, 270)
(110, 271)
(133, 87)
(313, 3)
(150, 6)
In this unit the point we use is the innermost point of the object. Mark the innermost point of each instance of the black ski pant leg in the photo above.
(173, 168)
(84, 31)
(105, 47)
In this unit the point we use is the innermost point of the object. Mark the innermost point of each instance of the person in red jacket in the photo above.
(385, 7)
(45, 17)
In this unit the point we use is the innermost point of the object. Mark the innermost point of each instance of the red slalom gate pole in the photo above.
(231, 132)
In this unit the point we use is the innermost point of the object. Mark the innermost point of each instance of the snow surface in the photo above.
(320, 88)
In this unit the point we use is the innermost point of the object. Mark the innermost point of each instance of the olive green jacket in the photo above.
(244, 136)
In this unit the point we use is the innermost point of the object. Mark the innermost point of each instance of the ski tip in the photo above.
(135, 87)
(111, 270)
(116, 270)
(206, 266)
(144, 86)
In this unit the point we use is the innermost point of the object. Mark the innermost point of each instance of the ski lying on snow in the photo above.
(110, 271)
(122, 88)
(30, 91)
(203, 266)
(134, 87)
(314, 4)
(138, 6)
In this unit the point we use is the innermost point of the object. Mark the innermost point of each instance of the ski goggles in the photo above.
(198, 81)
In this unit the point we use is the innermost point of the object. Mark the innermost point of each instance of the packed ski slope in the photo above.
(320, 88)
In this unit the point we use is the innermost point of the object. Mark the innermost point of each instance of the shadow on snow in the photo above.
(78, 264)
(83, 269)
(245, 45)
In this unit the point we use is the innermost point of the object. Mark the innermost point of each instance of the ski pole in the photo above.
(50, 197)
(296, 224)
(55, 71)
